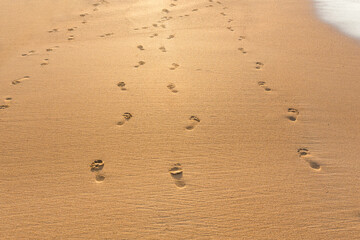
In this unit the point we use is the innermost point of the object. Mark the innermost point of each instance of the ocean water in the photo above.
(343, 14)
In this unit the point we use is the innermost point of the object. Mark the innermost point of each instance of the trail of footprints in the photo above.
(176, 170)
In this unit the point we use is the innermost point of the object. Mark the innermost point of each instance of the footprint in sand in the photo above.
(210, 5)
(125, 117)
(165, 10)
(170, 36)
(172, 5)
(52, 48)
(106, 35)
(162, 48)
(195, 9)
(241, 38)
(122, 85)
(8, 99)
(230, 20)
(193, 121)
(172, 88)
(140, 63)
(29, 53)
(83, 14)
(163, 25)
(4, 106)
(292, 114)
(176, 173)
(97, 165)
(224, 14)
(155, 25)
(53, 30)
(19, 80)
(219, 2)
(263, 85)
(242, 50)
(154, 35)
(259, 65)
(305, 154)
(174, 66)
(145, 27)
(140, 47)
(230, 29)
(45, 62)
(71, 37)
(71, 29)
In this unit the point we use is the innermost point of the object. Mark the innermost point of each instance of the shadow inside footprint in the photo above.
(99, 178)
(176, 173)
(314, 165)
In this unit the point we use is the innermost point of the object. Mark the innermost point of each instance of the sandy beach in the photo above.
(177, 119)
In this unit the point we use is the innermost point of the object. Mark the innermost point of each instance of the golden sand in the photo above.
(212, 120)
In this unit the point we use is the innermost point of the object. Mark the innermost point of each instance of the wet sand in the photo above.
(212, 120)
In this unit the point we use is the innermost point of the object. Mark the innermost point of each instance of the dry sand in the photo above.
(214, 120)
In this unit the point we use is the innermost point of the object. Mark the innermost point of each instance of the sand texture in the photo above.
(177, 119)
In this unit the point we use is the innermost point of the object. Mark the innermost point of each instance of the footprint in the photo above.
(292, 114)
(172, 88)
(163, 26)
(165, 10)
(4, 106)
(122, 85)
(154, 35)
(140, 63)
(224, 14)
(84, 14)
(170, 36)
(174, 66)
(242, 50)
(45, 62)
(29, 53)
(193, 121)
(140, 47)
(241, 38)
(53, 30)
(52, 49)
(106, 35)
(8, 99)
(210, 5)
(263, 85)
(172, 5)
(145, 27)
(19, 80)
(125, 117)
(162, 48)
(230, 20)
(97, 165)
(230, 28)
(304, 153)
(259, 65)
(176, 173)
(71, 37)
(195, 9)
(71, 29)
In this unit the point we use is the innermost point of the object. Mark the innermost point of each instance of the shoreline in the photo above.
(181, 120)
